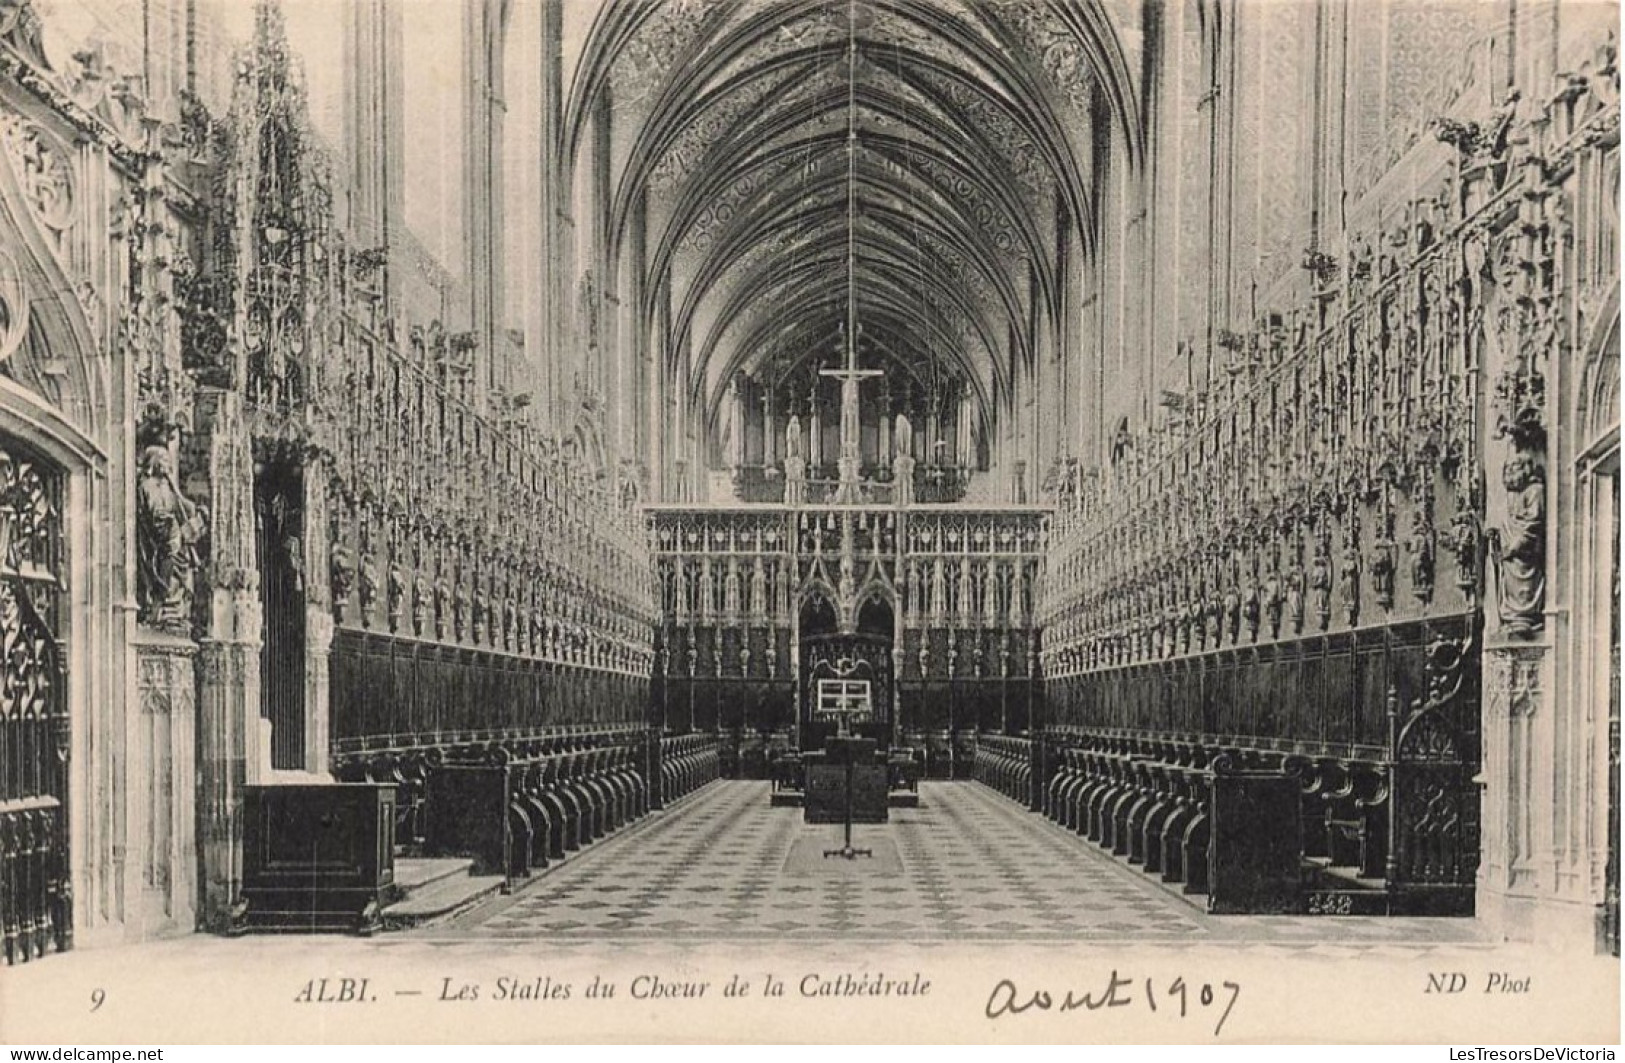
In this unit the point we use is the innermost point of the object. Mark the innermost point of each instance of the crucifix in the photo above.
(851, 459)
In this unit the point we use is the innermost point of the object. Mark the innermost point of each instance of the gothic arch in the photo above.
(813, 594)
(875, 591)
(981, 129)
(1598, 407)
(37, 215)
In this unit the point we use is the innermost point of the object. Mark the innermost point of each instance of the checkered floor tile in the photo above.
(975, 867)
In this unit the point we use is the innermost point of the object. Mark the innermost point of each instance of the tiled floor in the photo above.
(974, 867)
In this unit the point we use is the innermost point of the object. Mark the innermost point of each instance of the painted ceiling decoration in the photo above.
(979, 123)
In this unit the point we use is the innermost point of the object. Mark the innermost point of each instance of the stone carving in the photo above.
(20, 28)
(342, 576)
(168, 529)
(795, 466)
(1420, 546)
(1383, 564)
(1519, 548)
(13, 307)
(1320, 583)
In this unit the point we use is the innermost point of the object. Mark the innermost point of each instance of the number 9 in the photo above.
(97, 997)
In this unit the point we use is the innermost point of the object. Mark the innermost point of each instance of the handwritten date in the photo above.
(1119, 992)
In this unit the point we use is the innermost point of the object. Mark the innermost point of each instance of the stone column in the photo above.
(162, 811)
(543, 332)
(229, 737)
(1531, 887)
(770, 450)
(1514, 760)
(736, 426)
(815, 436)
(963, 435)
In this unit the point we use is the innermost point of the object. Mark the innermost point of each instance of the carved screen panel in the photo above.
(35, 899)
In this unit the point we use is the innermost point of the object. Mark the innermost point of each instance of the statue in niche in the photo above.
(341, 577)
(1190, 620)
(1463, 542)
(1420, 546)
(1294, 596)
(1382, 568)
(396, 594)
(422, 602)
(730, 591)
(758, 589)
(903, 447)
(1320, 584)
(795, 465)
(1271, 598)
(168, 528)
(1231, 626)
(510, 615)
(1348, 576)
(1519, 548)
(442, 601)
(478, 612)
(369, 587)
(459, 605)
(1250, 605)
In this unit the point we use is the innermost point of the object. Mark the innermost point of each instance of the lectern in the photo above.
(847, 755)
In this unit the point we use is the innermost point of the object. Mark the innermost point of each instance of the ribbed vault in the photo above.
(979, 126)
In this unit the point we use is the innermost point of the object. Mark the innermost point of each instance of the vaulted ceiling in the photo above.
(980, 126)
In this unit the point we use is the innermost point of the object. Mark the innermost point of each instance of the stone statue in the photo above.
(758, 590)
(1230, 622)
(1519, 547)
(1250, 606)
(1320, 585)
(341, 577)
(422, 603)
(168, 527)
(904, 479)
(1348, 576)
(792, 438)
(1382, 569)
(1421, 550)
(1272, 601)
(1294, 597)
(795, 466)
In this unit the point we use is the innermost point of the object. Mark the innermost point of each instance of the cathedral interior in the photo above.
(551, 467)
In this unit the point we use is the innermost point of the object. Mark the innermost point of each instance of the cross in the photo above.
(850, 460)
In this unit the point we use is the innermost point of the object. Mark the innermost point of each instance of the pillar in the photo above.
(318, 619)
(230, 736)
(163, 752)
(543, 334)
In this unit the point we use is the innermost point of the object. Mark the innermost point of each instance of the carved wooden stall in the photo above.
(1294, 575)
(435, 595)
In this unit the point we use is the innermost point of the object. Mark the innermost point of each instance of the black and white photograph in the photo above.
(806, 521)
